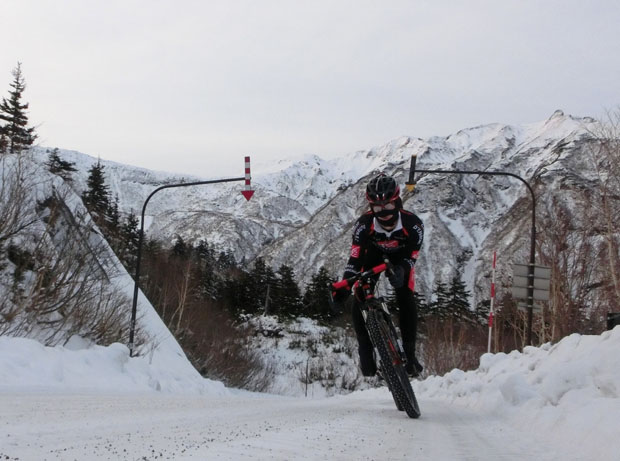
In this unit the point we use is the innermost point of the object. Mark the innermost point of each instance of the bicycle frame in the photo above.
(365, 278)
(386, 341)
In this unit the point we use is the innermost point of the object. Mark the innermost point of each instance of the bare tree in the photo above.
(184, 290)
(16, 204)
(450, 343)
(568, 244)
(605, 160)
(67, 287)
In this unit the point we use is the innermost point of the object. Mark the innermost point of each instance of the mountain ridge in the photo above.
(302, 213)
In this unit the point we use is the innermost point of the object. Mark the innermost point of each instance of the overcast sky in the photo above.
(193, 86)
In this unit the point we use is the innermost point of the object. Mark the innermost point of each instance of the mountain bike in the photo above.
(384, 337)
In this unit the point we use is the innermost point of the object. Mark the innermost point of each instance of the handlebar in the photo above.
(348, 282)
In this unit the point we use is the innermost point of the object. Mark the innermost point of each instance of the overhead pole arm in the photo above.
(247, 193)
(530, 290)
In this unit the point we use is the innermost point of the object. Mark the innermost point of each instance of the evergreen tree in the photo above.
(482, 312)
(152, 247)
(451, 302)
(97, 196)
(236, 294)
(440, 307)
(422, 306)
(15, 135)
(262, 279)
(287, 296)
(226, 260)
(209, 280)
(130, 238)
(59, 166)
(316, 297)
(4, 142)
(246, 292)
(458, 300)
(205, 252)
(180, 249)
(113, 216)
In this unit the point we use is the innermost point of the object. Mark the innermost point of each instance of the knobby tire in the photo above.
(392, 367)
(401, 372)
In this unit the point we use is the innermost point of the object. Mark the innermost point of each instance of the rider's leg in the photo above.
(367, 360)
(408, 320)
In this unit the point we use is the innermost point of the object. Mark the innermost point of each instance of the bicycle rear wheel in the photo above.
(391, 364)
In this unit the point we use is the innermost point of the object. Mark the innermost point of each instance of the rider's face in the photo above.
(377, 207)
(384, 212)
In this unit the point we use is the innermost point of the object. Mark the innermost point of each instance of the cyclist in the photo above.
(386, 230)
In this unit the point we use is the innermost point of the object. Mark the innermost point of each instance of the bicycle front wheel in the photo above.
(391, 364)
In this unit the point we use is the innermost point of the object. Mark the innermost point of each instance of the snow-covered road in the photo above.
(364, 425)
(556, 402)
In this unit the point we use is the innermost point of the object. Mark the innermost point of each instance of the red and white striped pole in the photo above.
(491, 311)
(247, 192)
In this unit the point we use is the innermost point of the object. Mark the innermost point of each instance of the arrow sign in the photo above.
(247, 192)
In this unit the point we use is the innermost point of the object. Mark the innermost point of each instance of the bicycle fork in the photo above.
(394, 341)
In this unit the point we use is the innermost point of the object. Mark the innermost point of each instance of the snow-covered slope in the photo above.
(48, 237)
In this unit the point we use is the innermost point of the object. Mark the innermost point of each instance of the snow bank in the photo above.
(565, 395)
(569, 391)
(27, 365)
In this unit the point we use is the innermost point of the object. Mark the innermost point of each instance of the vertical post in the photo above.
(411, 183)
(134, 306)
(307, 361)
(530, 290)
(530, 273)
(492, 312)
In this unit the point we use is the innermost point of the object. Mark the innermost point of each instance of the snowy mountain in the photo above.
(303, 210)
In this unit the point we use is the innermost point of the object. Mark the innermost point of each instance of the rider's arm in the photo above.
(415, 236)
(414, 239)
(358, 245)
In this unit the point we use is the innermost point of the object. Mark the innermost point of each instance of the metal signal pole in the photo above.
(247, 193)
(492, 311)
(530, 290)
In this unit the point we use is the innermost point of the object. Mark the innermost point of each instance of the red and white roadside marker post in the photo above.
(247, 192)
(491, 311)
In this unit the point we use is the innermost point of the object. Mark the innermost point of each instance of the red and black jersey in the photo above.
(371, 244)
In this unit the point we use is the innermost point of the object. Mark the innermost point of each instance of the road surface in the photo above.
(361, 426)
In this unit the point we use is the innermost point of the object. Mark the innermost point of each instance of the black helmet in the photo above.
(381, 189)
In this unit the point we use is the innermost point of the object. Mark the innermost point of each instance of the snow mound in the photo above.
(27, 365)
(578, 368)
(571, 388)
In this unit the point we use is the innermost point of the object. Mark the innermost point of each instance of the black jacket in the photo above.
(371, 244)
